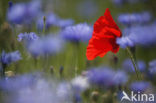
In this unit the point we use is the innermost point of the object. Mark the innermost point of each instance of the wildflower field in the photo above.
(77, 51)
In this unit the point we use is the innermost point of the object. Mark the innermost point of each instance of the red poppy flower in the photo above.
(104, 37)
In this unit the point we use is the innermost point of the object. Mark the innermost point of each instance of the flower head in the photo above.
(62, 23)
(76, 33)
(135, 18)
(140, 86)
(120, 78)
(28, 37)
(128, 66)
(45, 45)
(152, 68)
(138, 35)
(23, 12)
(101, 76)
(80, 83)
(8, 58)
(104, 37)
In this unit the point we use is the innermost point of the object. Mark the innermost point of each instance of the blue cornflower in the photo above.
(23, 12)
(152, 68)
(27, 37)
(65, 22)
(128, 66)
(152, 63)
(51, 20)
(8, 58)
(135, 18)
(16, 13)
(101, 77)
(10, 4)
(152, 71)
(125, 42)
(138, 35)
(140, 86)
(118, 2)
(77, 33)
(45, 45)
(120, 78)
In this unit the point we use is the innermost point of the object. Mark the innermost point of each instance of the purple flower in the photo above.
(152, 71)
(125, 42)
(152, 68)
(135, 18)
(23, 12)
(45, 45)
(8, 58)
(118, 2)
(51, 20)
(101, 77)
(65, 22)
(128, 66)
(140, 86)
(16, 13)
(138, 35)
(120, 78)
(152, 63)
(77, 33)
(27, 37)
(17, 83)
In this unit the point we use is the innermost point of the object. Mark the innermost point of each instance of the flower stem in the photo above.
(76, 58)
(44, 26)
(133, 61)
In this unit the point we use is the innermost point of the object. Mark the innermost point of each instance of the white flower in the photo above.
(80, 82)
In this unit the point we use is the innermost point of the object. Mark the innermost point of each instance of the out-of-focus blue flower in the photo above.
(140, 86)
(118, 2)
(23, 12)
(64, 91)
(77, 33)
(27, 37)
(152, 68)
(138, 35)
(51, 20)
(8, 58)
(10, 4)
(125, 42)
(45, 45)
(16, 14)
(17, 83)
(152, 71)
(101, 77)
(128, 66)
(34, 88)
(120, 78)
(88, 12)
(121, 2)
(135, 18)
(152, 63)
(65, 22)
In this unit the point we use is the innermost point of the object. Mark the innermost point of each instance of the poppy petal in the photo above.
(104, 37)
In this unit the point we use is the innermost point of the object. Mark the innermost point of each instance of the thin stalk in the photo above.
(133, 62)
(76, 58)
(44, 26)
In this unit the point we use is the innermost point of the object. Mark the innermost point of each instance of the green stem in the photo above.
(44, 27)
(133, 61)
(76, 58)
